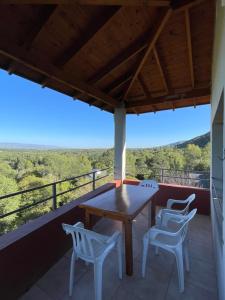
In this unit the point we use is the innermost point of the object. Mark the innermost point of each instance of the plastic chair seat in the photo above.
(93, 248)
(170, 236)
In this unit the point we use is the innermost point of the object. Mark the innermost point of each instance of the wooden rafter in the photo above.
(92, 29)
(144, 87)
(11, 68)
(159, 64)
(145, 90)
(131, 51)
(43, 68)
(154, 36)
(189, 46)
(44, 82)
(169, 98)
(46, 13)
(118, 83)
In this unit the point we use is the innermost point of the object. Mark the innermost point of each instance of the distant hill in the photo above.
(200, 141)
(26, 146)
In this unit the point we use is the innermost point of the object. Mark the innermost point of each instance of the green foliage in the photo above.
(21, 170)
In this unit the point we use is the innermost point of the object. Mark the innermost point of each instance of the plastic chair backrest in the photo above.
(82, 239)
(189, 200)
(149, 183)
(184, 227)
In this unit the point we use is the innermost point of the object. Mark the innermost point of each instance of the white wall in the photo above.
(218, 146)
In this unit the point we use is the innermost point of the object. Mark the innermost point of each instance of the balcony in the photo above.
(46, 269)
(161, 61)
(160, 282)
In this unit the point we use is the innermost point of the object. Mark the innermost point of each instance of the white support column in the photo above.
(120, 143)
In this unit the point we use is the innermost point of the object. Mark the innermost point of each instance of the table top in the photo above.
(125, 201)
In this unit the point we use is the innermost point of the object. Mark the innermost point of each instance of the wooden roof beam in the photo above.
(204, 100)
(156, 3)
(178, 5)
(92, 29)
(118, 83)
(131, 51)
(159, 3)
(145, 89)
(192, 94)
(162, 74)
(189, 46)
(47, 12)
(154, 36)
(74, 84)
(11, 68)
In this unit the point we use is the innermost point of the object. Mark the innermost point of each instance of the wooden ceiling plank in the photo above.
(75, 84)
(159, 64)
(189, 46)
(47, 12)
(170, 98)
(92, 29)
(155, 34)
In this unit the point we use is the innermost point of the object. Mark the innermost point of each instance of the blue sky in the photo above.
(30, 114)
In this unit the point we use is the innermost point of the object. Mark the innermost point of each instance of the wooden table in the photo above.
(123, 204)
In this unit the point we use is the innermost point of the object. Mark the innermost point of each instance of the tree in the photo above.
(33, 197)
(192, 156)
(7, 186)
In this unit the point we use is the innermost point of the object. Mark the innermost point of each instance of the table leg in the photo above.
(150, 214)
(87, 220)
(128, 247)
(153, 213)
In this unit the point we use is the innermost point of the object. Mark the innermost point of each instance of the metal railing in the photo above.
(217, 204)
(94, 178)
(182, 177)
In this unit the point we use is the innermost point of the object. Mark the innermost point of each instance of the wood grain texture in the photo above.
(124, 204)
(111, 48)
(155, 34)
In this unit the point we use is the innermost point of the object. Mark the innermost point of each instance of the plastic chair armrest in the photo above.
(171, 211)
(171, 202)
(168, 216)
(153, 232)
(79, 224)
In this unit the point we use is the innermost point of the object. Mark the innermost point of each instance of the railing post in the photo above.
(162, 175)
(93, 182)
(54, 195)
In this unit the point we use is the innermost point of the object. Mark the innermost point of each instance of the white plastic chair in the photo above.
(93, 248)
(149, 183)
(169, 209)
(172, 240)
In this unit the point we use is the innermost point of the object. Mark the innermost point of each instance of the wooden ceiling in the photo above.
(148, 55)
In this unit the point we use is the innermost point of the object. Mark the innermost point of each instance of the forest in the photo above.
(25, 169)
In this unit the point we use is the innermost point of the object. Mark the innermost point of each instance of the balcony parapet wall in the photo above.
(167, 191)
(28, 252)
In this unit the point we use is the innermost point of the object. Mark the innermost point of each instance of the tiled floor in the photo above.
(161, 280)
